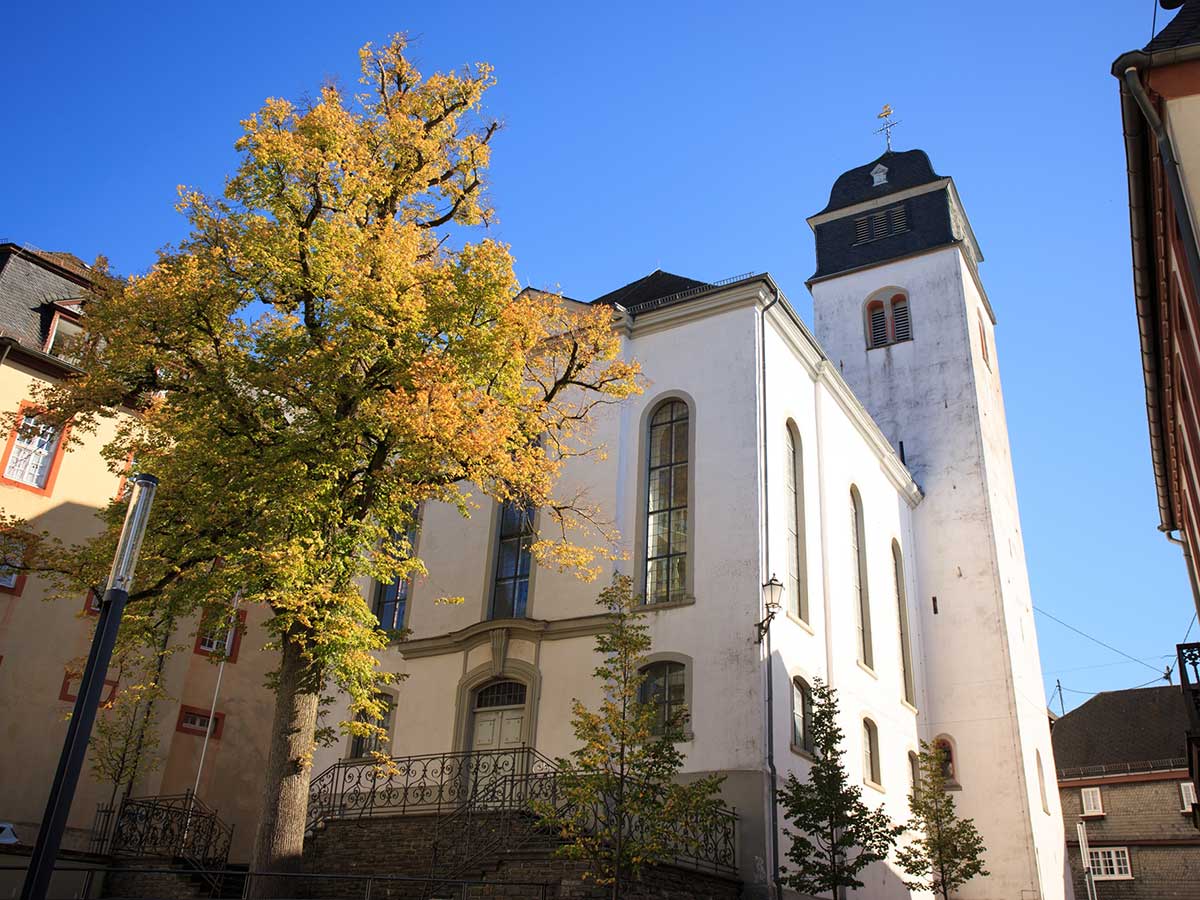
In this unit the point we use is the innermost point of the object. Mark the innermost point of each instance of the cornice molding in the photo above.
(502, 631)
(878, 202)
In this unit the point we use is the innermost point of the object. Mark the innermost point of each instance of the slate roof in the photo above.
(1182, 31)
(30, 282)
(1138, 725)
(655, 286)
(906, 169)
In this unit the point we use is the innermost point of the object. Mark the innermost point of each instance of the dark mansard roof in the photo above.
(1114, 727)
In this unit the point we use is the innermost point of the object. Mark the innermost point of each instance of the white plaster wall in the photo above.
(984, 687)
(835, 457)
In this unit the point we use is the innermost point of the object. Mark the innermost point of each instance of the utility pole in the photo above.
(1061, 705)
(79, 731)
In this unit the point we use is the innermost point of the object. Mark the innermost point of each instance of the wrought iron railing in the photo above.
(178, 826)
(486, 801)
(1189, 678)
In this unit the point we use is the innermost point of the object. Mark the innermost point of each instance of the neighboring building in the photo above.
(870, 471)
(1122, 771)
(43, 644)
(1160, 116)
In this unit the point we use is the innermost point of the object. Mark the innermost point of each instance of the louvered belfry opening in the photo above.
(888, 322)
(901, 323)
(878, 324)
(885, 223)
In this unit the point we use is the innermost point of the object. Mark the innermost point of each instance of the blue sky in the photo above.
(697, 138)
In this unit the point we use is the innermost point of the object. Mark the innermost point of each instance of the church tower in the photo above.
(900, 309)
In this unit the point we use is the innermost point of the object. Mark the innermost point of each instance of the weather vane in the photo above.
(888, 124)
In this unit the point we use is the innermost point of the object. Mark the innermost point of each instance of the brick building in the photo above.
(1122, 771)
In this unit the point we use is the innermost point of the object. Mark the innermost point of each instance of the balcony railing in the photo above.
(177, 826)
(479, 797)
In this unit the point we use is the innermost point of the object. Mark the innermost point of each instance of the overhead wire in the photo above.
(1096, 640)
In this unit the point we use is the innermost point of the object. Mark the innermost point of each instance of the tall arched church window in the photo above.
(1042, 782)
(860, 594)
(797, 587)
(802, 710)
(889, 319)
(667, 504)
(902, 613)
(983, 341)
(871, 752)
(514, 539)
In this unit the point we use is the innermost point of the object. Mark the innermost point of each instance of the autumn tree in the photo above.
(834, 834)
(946, 851)
(323, 353)
(619, 806)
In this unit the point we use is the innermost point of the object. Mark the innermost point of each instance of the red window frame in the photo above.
(55, 461)
(238, 628)
(59, 314)
(65, 694)
(217, 726)
(16, 589)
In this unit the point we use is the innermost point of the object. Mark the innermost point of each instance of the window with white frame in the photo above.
(195, 721)
(11, 554)
(33, 449)
(1187, 794)
(217, 638)
(1091, 802)
(1110, 863)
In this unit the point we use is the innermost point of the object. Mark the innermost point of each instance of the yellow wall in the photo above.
(40, 638)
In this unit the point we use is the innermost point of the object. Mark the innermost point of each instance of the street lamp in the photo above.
(773, 601)
(79, 731)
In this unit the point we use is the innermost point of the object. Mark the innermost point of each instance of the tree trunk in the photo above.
(279, 842)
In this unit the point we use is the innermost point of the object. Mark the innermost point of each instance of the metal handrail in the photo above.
(175, 826)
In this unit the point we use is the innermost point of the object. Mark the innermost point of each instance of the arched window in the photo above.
(871, 753)
(514, 538)
(665, 685)
(1042, 783)
(802, 708)
(902, 610)
(914, 771)
(797, 587)
(945, 746)
(983, 341)
(667, 504)
(858, 572)
(888, 319)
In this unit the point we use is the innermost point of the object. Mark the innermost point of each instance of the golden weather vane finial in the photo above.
(886, 128)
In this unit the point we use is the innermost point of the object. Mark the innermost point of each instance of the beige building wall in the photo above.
(41, 638)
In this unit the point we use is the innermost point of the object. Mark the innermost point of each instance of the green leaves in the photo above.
(620, 807)
(946, 851)
(835, 834)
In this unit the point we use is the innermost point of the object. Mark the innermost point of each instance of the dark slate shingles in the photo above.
(1132, 726)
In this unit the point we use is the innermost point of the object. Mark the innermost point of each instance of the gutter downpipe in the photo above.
(772, 802)
(1144, 292)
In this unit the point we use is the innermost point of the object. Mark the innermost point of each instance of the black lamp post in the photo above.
(79, 731)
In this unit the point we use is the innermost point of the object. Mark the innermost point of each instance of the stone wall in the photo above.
(403, 845)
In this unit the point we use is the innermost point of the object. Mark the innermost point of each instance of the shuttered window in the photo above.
(888, 321)
(886, 222)
(878, 319)
(902, 325)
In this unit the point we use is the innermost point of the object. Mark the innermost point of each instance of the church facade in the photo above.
(865, 466)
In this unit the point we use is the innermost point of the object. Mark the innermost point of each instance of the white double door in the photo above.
(498, 728)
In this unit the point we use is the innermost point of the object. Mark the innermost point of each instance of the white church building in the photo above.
(866, 464)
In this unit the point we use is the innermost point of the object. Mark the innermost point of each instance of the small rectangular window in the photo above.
(1187, 793)
(201, 722)
(1091, 801)
(1110, 863)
